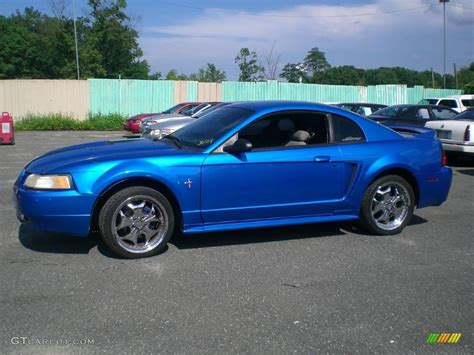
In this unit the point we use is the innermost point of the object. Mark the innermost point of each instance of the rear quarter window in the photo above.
(468, 103)
(448, 103)
(443, 113)
(346, 130)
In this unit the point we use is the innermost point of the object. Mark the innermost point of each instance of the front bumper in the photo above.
(132, 127)
(67, 212)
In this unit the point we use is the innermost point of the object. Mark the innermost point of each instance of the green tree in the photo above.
(316, 63)
(466, 78)
(24, 46)
(293, 73)
(380, 76)
(35, 45)
(116, 39)
(250, 70)
(173, 75)
(210, 73)
(343, 75)
(155, 76)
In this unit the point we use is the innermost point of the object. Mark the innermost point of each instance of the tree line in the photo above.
(314, 68)
(34, 45)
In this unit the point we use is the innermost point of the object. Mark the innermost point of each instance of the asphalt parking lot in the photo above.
(311, 289)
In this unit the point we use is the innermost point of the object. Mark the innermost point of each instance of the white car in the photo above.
(458, 103)
(456, 134)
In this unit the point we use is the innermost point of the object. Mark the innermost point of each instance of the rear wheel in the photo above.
(387, 206)
(136, 222)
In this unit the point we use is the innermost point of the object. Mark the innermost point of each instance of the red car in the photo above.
(133, 123)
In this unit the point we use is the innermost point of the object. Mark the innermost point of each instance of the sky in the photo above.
(185, 34)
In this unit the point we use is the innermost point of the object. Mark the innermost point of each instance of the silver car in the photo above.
(149, 121)
(169, 125)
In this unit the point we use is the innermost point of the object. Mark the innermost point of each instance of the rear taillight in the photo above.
(467, 133)
(444, 160)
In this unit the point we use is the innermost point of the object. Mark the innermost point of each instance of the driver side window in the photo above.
(287, 129)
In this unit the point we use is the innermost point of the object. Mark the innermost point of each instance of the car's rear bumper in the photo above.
(67, 212)
(434, 189)
(460, 147)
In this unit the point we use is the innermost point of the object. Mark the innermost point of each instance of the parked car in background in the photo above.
(456, 134)
(133, 123)
(458, 103)
(179, 108)
(165, 127)
(363, 109)
(187, 112)
(416, 115)
(245, 165)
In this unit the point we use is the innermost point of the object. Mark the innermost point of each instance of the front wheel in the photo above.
(387, 206)
(136, 222)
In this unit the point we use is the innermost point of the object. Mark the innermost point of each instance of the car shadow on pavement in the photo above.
(469, 172)
(461, 162)
(254, 236)
(45, 242)
(54, 243)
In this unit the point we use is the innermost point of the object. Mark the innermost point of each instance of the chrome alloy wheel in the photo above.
(390, 204)
(139, 224)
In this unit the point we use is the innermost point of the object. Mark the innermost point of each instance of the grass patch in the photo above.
(59, 122)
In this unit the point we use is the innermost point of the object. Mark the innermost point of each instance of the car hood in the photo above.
(73, 157)
(164, 116)
(173, 122)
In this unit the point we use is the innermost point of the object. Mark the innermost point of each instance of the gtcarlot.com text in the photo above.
(25, 340)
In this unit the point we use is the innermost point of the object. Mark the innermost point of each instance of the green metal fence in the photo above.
(383, 94)
(130, 97)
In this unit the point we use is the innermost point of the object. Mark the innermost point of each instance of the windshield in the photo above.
(468, 103)
(203, 132)
(466, 115)
(172, 109)
(192, 109)
(428, 102)
(210, 109)
(392, 111)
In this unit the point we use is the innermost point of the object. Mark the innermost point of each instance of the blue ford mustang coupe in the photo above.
(245, 165)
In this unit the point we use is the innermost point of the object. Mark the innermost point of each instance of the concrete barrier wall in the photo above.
(129, 97)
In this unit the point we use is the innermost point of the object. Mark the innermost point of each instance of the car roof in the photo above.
(279, 104)
(417, 105)
(360, 103)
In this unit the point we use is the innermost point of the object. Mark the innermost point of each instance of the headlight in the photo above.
(48, 182)
(166, 131)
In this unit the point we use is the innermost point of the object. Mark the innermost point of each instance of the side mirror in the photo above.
(240, 146)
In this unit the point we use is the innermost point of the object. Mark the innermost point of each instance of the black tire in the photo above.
(115, 204)
(366, 219)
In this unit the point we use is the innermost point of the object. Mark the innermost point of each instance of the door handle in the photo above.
(322, 159)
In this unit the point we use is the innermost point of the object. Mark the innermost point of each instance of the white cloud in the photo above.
(403, 38)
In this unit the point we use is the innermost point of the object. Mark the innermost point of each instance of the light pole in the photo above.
(75, 37)
(444, 41)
